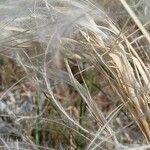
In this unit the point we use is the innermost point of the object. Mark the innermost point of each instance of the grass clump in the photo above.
(76, 73)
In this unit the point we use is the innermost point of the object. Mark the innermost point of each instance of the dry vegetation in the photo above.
(74, 74)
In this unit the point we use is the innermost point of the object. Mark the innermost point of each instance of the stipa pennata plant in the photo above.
(50, 38)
